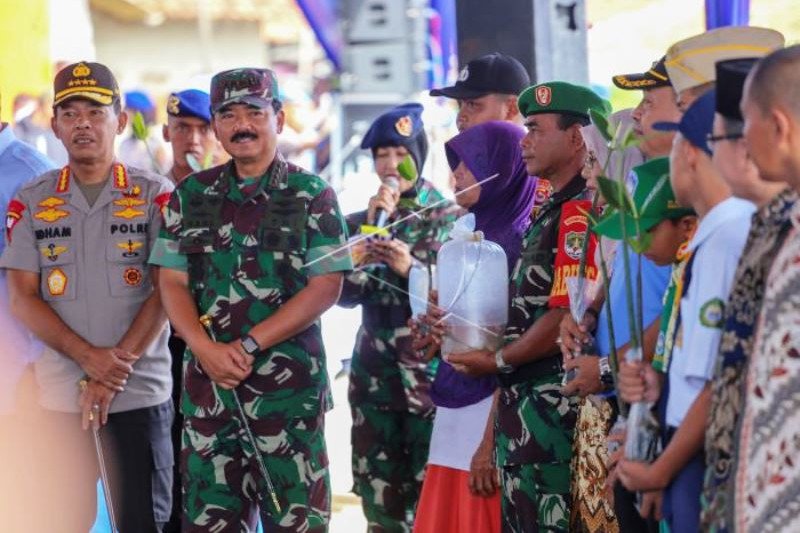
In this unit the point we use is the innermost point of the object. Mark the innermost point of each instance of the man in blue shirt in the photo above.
(19, 163)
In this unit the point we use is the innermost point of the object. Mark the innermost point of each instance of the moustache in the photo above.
(243, 135)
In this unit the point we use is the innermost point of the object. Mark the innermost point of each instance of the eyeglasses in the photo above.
(712, 139)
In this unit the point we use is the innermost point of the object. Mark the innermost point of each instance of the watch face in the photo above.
(250, 345)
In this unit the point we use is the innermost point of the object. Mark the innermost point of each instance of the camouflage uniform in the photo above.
(246, 255)
(389, 384)
(535, 423)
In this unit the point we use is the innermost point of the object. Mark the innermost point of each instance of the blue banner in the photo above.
(721, 13)
(442, 45)
(322, 16)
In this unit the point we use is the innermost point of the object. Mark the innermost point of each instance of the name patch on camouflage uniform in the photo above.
(57, 282)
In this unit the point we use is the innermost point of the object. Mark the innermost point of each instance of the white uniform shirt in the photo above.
(717, 246)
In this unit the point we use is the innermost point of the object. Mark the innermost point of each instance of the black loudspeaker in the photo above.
(547, 36)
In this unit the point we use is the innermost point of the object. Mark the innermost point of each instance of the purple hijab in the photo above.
(502, 213)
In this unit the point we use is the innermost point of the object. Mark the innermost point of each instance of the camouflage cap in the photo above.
(252, 86)
(92, 81)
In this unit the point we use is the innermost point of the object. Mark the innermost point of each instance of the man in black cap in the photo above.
(78, 278)
(487, 89)
(658, 104)
(389, 384)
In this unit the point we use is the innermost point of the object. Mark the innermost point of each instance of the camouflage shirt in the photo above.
(532, 277)
(385, 370)
(247, 252)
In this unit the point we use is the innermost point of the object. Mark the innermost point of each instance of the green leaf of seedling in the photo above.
(407, 169)
(208, 160)
(642, 243)
(601, 123)
(140, 130)
(615, 194)
(194, 164)
(629, 139)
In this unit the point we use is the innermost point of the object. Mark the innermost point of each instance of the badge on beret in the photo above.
(173, 103)
(544, 95)
(132, 277)
(464, 74)
(404, 126)
(711, 313)
(57, 282)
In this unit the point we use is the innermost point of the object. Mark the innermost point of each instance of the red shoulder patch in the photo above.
(161, 201)
(13, 216)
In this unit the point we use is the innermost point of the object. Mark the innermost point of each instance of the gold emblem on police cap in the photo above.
(544, 95)
(404, 126)
(173, 104)
(81, 70)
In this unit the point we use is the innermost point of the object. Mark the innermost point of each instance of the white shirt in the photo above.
(717, 246)
(457, 434)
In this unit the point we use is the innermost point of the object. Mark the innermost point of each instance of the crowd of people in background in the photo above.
(166, 284)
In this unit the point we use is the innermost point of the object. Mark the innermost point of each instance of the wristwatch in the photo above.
(502, 366)
(250, 345)
(606, 377)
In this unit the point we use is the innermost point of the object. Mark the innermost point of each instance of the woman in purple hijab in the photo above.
(455, 495)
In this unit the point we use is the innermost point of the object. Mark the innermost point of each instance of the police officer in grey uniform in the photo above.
(78, 242)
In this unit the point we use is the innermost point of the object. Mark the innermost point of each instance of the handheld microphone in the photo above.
(381, 216)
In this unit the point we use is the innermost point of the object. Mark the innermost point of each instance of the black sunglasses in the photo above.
(712, 139)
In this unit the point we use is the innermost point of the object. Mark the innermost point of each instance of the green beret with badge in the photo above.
(654, 201)
(563, 98)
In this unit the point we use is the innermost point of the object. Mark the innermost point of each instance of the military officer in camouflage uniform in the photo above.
(252, 244)
(535, 423)
(78, 241)
(389, 384)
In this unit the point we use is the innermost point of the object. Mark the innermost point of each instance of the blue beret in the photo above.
(397, 127)
(190, 103)
(400, 126)
(138, 101)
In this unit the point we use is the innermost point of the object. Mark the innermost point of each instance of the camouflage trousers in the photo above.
(221, 480)
(390, 451)
(533, 439)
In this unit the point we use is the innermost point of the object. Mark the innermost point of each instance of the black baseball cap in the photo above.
(493, 73)
(731, 75)
(655, 76)
(88, 80)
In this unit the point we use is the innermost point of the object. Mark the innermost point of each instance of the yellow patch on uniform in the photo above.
(128, 213)
(129, 201)
(51, 201)
(51, 214)
(120, 176)
(57, 282)
(51, 251)
(132, 277)
(130, 247)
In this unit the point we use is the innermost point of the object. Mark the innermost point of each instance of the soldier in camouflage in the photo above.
(252, 244)
(389, 384)
(535, 422)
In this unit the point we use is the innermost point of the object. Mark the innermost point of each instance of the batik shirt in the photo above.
(767, 233)
(385, 370)
(247, 252)
(768, 469)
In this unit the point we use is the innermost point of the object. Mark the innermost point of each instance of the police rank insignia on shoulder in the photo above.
(57, 282)
(711, 313)
(52, 251)
(404, 126)
(132, 276)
